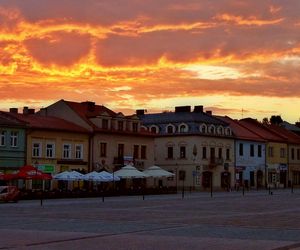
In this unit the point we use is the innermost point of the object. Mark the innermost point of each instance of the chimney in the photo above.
(140, 112)
(198, 109)
(181, 109)
(25, 110)
(209, 112)
(13, 110)
(31, 111)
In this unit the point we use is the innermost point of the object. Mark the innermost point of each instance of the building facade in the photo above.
(250, 155)
(194, 145)
(12, 143)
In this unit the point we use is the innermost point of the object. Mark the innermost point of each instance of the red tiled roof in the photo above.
(240, 131)
(288, 135)
(88, 110)
(47, 122)
(261, 130)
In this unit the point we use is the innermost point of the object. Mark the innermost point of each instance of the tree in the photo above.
(276, 119)
(265, 121)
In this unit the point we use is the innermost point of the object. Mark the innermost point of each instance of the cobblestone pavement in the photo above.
(230, 220)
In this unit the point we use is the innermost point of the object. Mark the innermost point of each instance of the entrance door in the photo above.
(283, 178)
(206, 179)
(225, 180)
(251, 178)
(259, 177)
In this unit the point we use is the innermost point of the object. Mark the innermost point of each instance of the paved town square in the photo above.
(227, 220)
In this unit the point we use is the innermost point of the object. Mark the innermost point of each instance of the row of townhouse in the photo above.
(203, 150)
(72, 136)
(206, 150)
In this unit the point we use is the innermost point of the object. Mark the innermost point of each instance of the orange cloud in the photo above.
(146, 52)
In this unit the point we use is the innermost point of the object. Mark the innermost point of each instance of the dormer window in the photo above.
(183, 128)
(154, 129)
(104, 123)
(220, 130)
(203, 128)
(120, 125)
(212, 129)
(135, 127)
(170, 129)
(227, 131)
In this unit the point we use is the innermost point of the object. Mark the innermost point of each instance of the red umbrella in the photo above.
(31, 173)
(7, 177)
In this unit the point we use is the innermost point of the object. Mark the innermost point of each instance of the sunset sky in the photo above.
(234, 57)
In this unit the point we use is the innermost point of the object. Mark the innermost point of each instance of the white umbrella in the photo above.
(68, 176)
(95, 176)
(156, 171)
(109, 176)
(129, 171)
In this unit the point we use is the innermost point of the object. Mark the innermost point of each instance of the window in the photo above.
(13, 138)
(67, 151)
(103, 146)
(143, 152)
(136, 151)
(36, 149)
(120, 125)
(154, 129)
(170, 152)
(182, 152)
(298, 154)
(104, 123)
(203, 128)
(204, 156)
(170, 129)
(241, 149)
(2, 138)
(227, 131)
(259, 150)
(227, 154)
(135, 127)
(212, 153)
(270, 152)
(78, 151)
(183, 128)
(220, 153)
(212, 129)
(251, 150)
(120, 150)
(293, 153)
(220, 130)
(282, 152)
(50, 150)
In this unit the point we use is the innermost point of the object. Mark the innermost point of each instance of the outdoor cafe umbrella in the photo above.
(96, 177)
(68, 176)
(29, 172)
(109, 176)
(156, 172)
(129, 171)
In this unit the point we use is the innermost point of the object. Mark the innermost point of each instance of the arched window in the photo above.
(183, 128)
(228, 131)
(154, 129)
(203, 128)
(212, 129)
(170, 129)
(220, 130)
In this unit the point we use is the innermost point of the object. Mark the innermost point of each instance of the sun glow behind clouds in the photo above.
(211, 72)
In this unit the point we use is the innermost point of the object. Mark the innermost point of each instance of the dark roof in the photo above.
(178, 117)
(239, 130)
(289, 126)
(262, 130)
(47, 122)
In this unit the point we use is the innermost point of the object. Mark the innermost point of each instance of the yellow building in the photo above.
(53, 144)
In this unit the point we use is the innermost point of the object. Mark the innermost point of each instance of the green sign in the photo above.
(46, 168)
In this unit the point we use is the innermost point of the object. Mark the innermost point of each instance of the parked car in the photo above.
(9, 193)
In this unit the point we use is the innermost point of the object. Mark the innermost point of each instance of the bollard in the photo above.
(292, 188)
(243, 190)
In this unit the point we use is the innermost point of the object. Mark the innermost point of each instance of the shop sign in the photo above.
(283, 167)
(46, 168)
